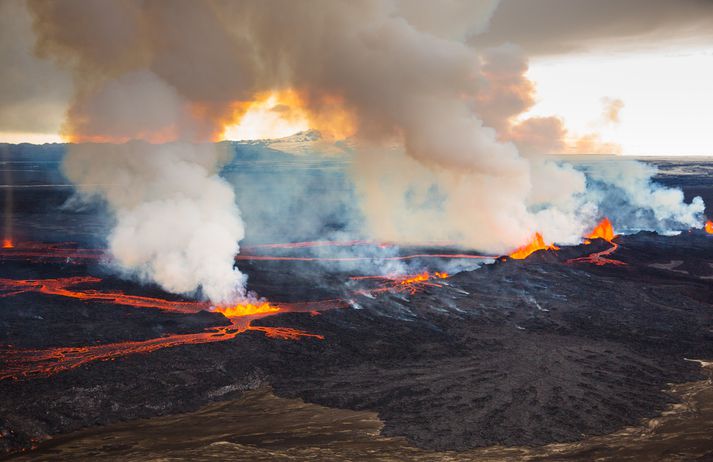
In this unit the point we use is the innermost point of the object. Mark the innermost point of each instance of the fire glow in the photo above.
(247, 309)
(709, 227)
(604, 230)
(31, 363)
(537, 243)
(66, 287)
(410, 283)
(33, 251)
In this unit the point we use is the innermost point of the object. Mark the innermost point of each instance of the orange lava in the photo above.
(422, 277)
(537, 243)
(307, 244)
(411, 283)
(247, 309)
(56, 251)
(65, 287)
(457, 256)
(709, 227)
(604, 230)
(32, 363)
(352, 243)
(7, 244)
(29, 363)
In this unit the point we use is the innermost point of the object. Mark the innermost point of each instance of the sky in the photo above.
(638, 74)
(667, 98)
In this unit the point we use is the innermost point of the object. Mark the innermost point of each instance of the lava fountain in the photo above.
(604, 230)
(537, 243)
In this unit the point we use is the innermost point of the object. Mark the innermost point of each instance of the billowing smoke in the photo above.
(626, 194)
(176, 221)
(33, 92)
(436, 135)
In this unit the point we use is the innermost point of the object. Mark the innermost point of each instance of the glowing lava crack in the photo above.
(29, 363)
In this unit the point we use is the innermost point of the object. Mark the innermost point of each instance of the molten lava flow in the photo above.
(537, 243)
(247, 309)
(415, 279)
(454, 256)
(306, 244)
(65, 287)
(7, 243)
(352, 243)
(709, 227)
(411, 283)
(603, 230)
(31, 363)
(33, 251)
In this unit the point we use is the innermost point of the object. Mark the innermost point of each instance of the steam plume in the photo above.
(436, 157)
(176, 221)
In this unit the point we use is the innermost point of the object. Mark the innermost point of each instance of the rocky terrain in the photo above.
(553, 348)
(515, 353)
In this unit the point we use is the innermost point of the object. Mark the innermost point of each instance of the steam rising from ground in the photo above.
(436, 135)
(176, 221)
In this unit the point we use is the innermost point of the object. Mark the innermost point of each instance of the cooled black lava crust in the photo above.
(518, 352)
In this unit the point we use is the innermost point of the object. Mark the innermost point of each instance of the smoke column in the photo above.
(176, 221)
(397, 77)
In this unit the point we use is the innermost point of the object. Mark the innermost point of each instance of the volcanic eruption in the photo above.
(424, 247)
(164, 83)
(537, 243)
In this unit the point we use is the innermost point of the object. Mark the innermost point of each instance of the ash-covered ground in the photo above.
(508, 353)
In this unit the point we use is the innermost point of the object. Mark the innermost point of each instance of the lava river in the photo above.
(29, 363)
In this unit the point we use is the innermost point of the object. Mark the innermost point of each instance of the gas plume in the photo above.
(176, 221)
(432, 123)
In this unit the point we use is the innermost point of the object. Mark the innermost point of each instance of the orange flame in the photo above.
(421, 277)
(537, 243)
(414, 279)
(7, 244)
(709, 227)
(247, 309)
(408, 283)
(605, 230)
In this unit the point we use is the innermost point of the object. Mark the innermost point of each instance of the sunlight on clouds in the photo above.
(34, 138)
(267, 119)
(667, 98)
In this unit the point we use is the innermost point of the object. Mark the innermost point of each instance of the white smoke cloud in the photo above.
(625, 192)
(177, 223)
